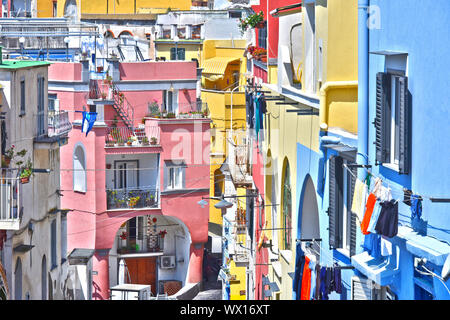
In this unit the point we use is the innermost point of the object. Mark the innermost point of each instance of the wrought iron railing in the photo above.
(132, 198)
(58, 123)
(124, 136)
(143, 244)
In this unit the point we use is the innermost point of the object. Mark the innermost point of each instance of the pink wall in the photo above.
(170, 70)
(65, 71)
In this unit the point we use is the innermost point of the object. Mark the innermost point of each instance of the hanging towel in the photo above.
(318, 283)
(374, 217)
(387, 224)
(312, 267)
(368, 214)
(359, 199)
(372, 244)
(306, 281)
(337, 280)
(88, 121)
(323, 284)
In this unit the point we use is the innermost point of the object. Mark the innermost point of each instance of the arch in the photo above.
(79, 166)
(125, 33)
(270, 195)
(70, 9)
(44, 278)
(18, 280)
(109, 34)
(286, 207)
(308, 215)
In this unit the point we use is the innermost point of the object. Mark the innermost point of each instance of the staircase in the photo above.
(123, 108)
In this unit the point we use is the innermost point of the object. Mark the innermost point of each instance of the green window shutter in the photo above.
(404, 126)
(382, 118)
(335, 202)
(173, 54)
(181, 53)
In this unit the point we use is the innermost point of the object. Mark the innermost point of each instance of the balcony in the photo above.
(58, 123)
(140, 244)
(239, 158)
(9, 203)
(194, 110)
(143, 136)
(132, 198)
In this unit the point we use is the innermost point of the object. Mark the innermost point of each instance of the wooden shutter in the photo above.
(381, 122)
(173, 54)
(335, 202)
(181, 54)
(353, 225)
(404, 126)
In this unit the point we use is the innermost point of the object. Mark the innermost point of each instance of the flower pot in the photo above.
(24, 180)
(108, 166)
(129, 143)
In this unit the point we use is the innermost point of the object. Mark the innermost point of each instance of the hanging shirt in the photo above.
(371, 199)
(317, 291)
(372, 244)
(249, 108)
(337, 280)
(306, 281)
(323, 284)
(387, 224)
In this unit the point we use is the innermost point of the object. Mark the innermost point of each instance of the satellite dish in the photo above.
(446, 269)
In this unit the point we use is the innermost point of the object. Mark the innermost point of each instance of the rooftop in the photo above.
(18, 64)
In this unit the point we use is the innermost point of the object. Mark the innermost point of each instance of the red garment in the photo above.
(306, 281)
(371, 200)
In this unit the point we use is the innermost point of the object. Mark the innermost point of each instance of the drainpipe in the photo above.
(323, 112)
(363, 88)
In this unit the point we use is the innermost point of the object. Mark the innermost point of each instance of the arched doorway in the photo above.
(286, 208)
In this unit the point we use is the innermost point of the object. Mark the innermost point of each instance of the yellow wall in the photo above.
(44, 8)
(192, 51)
(124, 6)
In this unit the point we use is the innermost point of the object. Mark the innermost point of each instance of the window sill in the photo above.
(344, 252)
(391, 166)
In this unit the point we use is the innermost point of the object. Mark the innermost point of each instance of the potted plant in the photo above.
(9, 154)
(145, 141)
(171, 115)
(153, 141)
(104, 95)
(130, 141)
(26, 172)
(133, 201)
(120, 141)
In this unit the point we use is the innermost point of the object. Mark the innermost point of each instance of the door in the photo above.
(126, 175)
(142, 271)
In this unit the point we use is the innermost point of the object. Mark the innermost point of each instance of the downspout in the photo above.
(363, 88)
(323, 112)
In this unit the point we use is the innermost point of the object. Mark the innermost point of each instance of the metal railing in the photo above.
(9, 203)
(143, 244)
(194, 110)
(58, 123)
(132, 198)
(141, 137)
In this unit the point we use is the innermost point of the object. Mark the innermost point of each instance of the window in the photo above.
(170, 101)
(55, 9)
(174, 175)
(53, 244)
(286, 214)
(218, 183)
(79, 169)
(177, 53)
(18, 280)
(262, 37)
(40, 106)
(22, 97)
(342, 221)
(392, 121)
(235, 14)
(63, 238)
(44, 278)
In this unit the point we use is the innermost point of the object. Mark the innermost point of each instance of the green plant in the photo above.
(145, 140)
(153, 108)
(10, 152)
(251, 21)
(153, 140)
(26, 170)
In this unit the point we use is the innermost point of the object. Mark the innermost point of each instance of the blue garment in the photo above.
(260, 109)
(372, 244)
(88, 121)
(323, 284)
(374, 217)
(416, 206)
(249, 109)
(312, 266)
(299, 264)
(337, 280)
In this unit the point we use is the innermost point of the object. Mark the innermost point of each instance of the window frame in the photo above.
(170, 168)
(22, 97)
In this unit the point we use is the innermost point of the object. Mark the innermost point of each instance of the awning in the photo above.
(214, 68)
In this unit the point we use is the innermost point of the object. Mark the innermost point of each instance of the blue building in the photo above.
(403, 124)
(403, 116)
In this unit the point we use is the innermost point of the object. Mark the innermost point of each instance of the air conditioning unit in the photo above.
(167, 262)
(365, 289)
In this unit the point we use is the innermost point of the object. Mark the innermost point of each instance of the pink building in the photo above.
(134, 181)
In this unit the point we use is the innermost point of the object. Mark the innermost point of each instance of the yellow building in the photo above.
(110, 9)
(316, 90)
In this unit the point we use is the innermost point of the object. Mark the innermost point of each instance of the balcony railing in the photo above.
(145, 136)
(132, 198)
(195, 110)
(58, 123)
(9, 203)
(142, 244)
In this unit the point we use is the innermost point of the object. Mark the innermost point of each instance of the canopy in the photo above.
(214, 68)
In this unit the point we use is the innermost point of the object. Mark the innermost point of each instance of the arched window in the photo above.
(79, 169)
(286, 213)
(18, 280)
(70, 9)
(109, 34)
(125, 33)
(44, 279)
